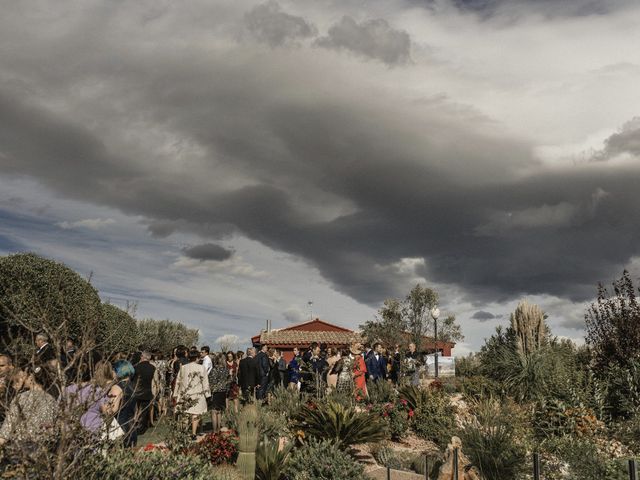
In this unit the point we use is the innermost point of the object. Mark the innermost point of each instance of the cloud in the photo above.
(232, 267)
(373, 39)
(294, 315)
(203, 135)
(269, 24)
(90, 223)
(625, 141)
(208, 251)
(228, 342)
(483, 316)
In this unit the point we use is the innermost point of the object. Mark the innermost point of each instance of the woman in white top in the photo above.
(192, 390)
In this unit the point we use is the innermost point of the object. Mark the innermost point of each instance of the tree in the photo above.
(389, 327)
(118, 331)
(409, 320)
(417, 311)
(41, 295)
(613, 324)
(164, 335)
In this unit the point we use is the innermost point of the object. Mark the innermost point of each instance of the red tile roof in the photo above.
(302, 337)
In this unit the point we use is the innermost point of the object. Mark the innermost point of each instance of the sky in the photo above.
(225, 163)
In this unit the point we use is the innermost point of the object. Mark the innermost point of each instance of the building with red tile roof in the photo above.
(303, 334)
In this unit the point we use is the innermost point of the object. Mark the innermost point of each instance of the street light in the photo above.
(435, 313)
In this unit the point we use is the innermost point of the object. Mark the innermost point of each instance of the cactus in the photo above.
(248, 433)
(528, 323)
(384, 455)
(225, 472)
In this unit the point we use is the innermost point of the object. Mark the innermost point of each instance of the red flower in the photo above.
(410, 413)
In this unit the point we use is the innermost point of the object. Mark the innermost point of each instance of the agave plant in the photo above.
(345, 426)
(271, 460)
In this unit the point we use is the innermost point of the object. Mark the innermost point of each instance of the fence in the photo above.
(537, 471)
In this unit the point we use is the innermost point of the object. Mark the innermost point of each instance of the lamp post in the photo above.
(435, 313)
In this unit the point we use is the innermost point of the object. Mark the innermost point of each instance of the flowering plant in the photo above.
(396, 415)
(218, 448)
(150, 447)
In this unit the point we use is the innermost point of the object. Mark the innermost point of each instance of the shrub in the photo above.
(396, 416)
(286, 402)
(342, 425)
(494, 440)
(119, 330)
(271, 424)
(131, 465)
(386, 456)
(584, 459)
(554, 417)
(37, 294)
(217, 448)
(479, 386)
(380, 392)
(323, 459)
(434, 418)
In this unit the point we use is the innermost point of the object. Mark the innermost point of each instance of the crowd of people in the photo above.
(117, 398)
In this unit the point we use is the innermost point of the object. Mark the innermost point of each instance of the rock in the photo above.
(465, 470)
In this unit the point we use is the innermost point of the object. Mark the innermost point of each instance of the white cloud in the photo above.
(90, 223)
(234, 266)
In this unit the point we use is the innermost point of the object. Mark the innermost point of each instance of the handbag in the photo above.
(111, 430)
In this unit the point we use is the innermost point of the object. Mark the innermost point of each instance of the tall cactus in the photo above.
(528, 323)
(248, 433)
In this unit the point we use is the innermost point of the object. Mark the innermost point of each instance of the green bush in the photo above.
(386, 456)
(342, 425)
(479, 387)
(286, 402)
(396, 416)
(380, 392)
(495, 440)
(628, 432)
(584, 459)
(37, 294)
(160, 465)
(554, 417)
(118, 330)
(323, 460)
(434, 418)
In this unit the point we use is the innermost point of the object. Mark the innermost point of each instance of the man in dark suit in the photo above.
(262, 360)
(44, 352)
(248, 375)
(142, 381)
(376, 363)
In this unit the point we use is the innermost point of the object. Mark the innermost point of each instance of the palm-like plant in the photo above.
(491, 440)
(414, 396)
(336, 423)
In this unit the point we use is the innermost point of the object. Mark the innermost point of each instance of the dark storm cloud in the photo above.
(627, 140)
(373, 39)
(483, 316)
(358, 182)
(269, 24)
(519, 8)
(208, 251)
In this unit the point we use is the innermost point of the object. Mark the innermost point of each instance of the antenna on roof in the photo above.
(310, 303)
